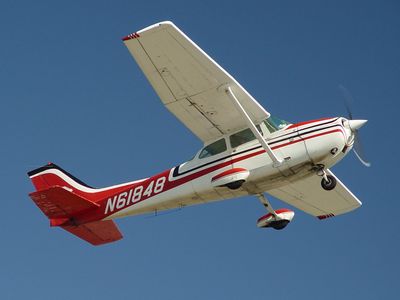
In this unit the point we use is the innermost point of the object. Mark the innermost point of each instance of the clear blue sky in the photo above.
(71, 93)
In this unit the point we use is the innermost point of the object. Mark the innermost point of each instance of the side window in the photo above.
(213, 149)
(243, 137)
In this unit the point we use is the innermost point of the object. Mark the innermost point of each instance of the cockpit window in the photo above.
(213, 149)
(274, 124)
(243, 137)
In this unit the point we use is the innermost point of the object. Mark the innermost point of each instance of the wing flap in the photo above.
(96, 233)
(57, 202)
(190, 83)
(307, 195)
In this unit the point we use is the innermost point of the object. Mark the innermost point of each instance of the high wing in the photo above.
(307, 195)
(190, 83)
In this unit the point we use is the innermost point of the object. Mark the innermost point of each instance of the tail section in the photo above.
(59, 203)
(66, 201)
(52, 175)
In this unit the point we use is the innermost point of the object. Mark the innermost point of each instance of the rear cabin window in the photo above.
(213, 149)
(243, 137)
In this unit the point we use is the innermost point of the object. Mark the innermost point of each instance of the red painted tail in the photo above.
(51, 175)
(64, 199)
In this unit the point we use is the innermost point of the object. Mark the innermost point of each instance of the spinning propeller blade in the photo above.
(354, 125)
(358, 150)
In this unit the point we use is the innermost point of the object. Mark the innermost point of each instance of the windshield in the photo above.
(274, 124)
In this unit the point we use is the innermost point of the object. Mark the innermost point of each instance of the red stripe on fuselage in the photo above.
(307, 122)
(176, 183)
(307, 138)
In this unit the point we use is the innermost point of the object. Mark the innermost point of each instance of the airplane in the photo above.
(247, 151)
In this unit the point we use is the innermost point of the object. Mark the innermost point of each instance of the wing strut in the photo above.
(276, 161)
(267, 205)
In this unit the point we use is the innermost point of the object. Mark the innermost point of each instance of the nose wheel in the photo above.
(328, 182)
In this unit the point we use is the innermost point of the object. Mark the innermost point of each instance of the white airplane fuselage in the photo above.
(303, 146)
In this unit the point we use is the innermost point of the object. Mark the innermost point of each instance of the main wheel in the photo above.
(279, 225)
(329, 184)
(235, 185)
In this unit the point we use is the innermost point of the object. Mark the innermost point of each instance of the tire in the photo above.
(330, 184)
(235, 185)
(279, 225)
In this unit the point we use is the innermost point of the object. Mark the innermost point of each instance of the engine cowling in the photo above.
(269, 221)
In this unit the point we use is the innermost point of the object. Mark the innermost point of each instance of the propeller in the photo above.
(354, 125)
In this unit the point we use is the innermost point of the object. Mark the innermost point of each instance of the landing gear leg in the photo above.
(328, 182)
(264, 201)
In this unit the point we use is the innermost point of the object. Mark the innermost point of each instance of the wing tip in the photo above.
(136, 35)
(131, 36)
(323, 217)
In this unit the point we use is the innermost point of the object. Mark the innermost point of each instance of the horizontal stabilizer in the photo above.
(57, 203)
(96, 233)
